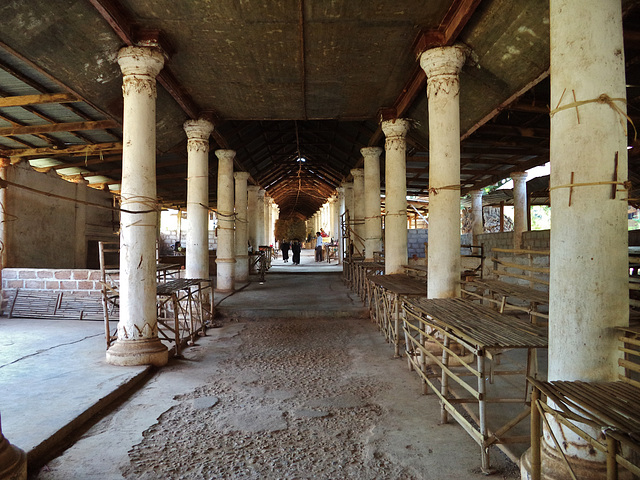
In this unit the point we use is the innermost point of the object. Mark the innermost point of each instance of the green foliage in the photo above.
(290, 230)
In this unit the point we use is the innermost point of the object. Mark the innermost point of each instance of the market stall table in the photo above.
(483, 332)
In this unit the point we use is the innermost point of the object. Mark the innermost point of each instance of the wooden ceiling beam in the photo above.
(25, 100)
(57, 127)
(18, 154)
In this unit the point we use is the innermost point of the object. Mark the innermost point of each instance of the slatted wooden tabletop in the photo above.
(400, 284)
(174, 286)
(417, 268)
(608, 404)
(479, 325)
(513, 290)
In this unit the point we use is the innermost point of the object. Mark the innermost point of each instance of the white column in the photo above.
(589, 290)
(267, 219)
(242, 255)
(372, 210)
(442, 66)
(197, 255)
(520, 207)
(395, 231)
(341, 209)
(358, 207)
(13, 461)
(252, 215)
(260, 226)
(333, 215)
(270, 221)
(225, 256)
(138, 342)
(477, 217)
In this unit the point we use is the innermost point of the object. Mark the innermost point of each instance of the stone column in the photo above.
(225, 256)
(520, 206)
(477, 217)
(13, 461)
(341, 209)
(589, 291)
(242, 255)
(197, 255)
(358, 208)
(138, 342)
(395, 232)
(372, 211)
(252, 214)
(267, 219)
(334, 216)
(80, 259)
(442, 66)
(260, 227)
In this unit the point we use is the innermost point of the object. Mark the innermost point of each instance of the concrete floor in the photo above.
(308, 389)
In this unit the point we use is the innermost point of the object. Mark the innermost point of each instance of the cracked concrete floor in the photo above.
(312, 398)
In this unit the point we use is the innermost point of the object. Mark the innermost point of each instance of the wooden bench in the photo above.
(511, 294)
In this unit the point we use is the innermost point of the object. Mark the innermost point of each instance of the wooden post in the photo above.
(535, 435)
(612, 467)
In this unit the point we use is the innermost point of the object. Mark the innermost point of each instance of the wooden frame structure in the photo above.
(388, 293)
(483, 332)
(499, 292)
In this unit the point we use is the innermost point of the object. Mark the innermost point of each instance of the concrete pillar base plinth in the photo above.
(13, 461)
(554, 468)
(225, 275)
(144, 351)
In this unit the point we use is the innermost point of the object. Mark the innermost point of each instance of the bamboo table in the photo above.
(609, 408)
(388, 291)
(185, 295)
(483, 332)
(504, 290)
(362, 271)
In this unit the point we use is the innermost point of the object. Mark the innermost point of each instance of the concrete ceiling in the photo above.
(278, 78)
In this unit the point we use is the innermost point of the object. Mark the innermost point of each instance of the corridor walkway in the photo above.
(305, 387)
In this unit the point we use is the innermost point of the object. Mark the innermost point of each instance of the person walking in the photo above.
(284, 246)
(296, 247)
(318, 247)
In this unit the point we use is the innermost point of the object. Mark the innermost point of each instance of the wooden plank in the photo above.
(84, 149)
(519, 251)
(57, 127)
(25, 100)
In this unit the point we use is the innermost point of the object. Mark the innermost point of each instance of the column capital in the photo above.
(261, 193)
(198, 129)
(241, 176)
(396, 128)
(371, 151)
(518, 176)
(340, 190)
(443, 60)
(5, 162)
(225, 154)
(476, 193)
(357, 172)
(253, 188)
(144, 61)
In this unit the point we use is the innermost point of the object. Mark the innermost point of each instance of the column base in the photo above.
(242, 268)
(554, 468)
(147, 351)
(225, 275)
(13, 461)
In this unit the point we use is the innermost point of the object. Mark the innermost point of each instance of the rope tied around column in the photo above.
(436, 190)
(602, 99)
(149, 202)
(626, 185)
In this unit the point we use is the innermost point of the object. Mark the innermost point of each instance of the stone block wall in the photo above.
(77, 282)
(416, 238)
(169, 238)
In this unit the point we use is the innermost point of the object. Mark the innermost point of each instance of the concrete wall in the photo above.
(48, 232)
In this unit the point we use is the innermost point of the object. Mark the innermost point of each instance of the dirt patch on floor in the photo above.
(301, 399)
